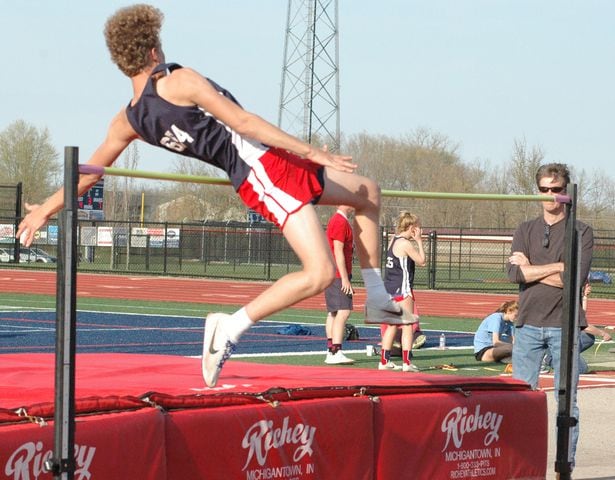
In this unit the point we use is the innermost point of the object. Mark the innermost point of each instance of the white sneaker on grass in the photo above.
(410, 367)
(217, 347)
(388, 366)
(338, 358)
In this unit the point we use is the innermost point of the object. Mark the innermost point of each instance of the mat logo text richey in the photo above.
(458, 422)
(262, 437)
(26, 462)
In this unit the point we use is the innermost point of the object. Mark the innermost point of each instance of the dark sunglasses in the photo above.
(552, 189)
(545, 239)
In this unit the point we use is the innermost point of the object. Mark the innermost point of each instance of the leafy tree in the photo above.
(498, 214)
(27, 156)
(420, 161)
(524, 164)
(596, 199)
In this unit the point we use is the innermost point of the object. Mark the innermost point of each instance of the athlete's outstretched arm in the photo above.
(185, 83)
(119, 136)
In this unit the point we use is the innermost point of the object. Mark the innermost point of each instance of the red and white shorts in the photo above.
(280, 183)
(399, 298)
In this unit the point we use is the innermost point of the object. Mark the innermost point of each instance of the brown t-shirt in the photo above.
(541, 305)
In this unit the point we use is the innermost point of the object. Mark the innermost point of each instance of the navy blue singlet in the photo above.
(398, 273)
(193, 132)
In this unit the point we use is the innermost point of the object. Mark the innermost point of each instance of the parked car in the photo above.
(6, 255)
(598, 276)
(34, 254)
(26, 255)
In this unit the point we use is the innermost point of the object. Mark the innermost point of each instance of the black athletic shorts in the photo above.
(336, 299)
(479, 355)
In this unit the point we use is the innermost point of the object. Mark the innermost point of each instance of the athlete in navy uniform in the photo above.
(404, 253)
(275, 174)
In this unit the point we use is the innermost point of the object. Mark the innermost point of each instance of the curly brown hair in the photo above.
(131, 33)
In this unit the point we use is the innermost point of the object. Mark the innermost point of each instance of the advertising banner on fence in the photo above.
(52, 234)
(87, 236)
(154, 237)
(104, 237)
(7, 233)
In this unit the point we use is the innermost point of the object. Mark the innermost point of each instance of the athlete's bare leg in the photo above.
(407, 331)
(364, 195)
(338, 326)
(389, 337)
(306, 237)
(407, 337)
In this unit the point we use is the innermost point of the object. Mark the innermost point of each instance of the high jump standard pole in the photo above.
(570, 340)
(62, 464)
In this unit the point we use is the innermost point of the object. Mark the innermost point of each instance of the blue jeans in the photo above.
(528, 351)
(586, 340)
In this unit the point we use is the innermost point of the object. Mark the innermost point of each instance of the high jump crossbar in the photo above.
(180, 177)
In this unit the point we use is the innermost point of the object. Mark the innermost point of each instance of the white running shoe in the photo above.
(410, 367)
(388, 366)
(217, 347)
(419, 341)
(338, 358)
(390, 313)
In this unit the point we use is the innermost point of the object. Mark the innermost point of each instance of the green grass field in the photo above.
(429, 360)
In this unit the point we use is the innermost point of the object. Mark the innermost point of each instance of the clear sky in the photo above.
(481, 72)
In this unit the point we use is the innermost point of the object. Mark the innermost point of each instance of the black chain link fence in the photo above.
(458, 259)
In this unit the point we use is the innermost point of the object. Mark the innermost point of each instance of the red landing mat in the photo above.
(150, 417)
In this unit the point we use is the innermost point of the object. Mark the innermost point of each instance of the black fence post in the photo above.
(147, 252)
(18, 200)
(433, 251)
(384, 234)
(165, 250)
(269, 248)
(180, 242)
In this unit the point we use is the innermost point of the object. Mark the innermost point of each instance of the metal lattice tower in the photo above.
(309, 92)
